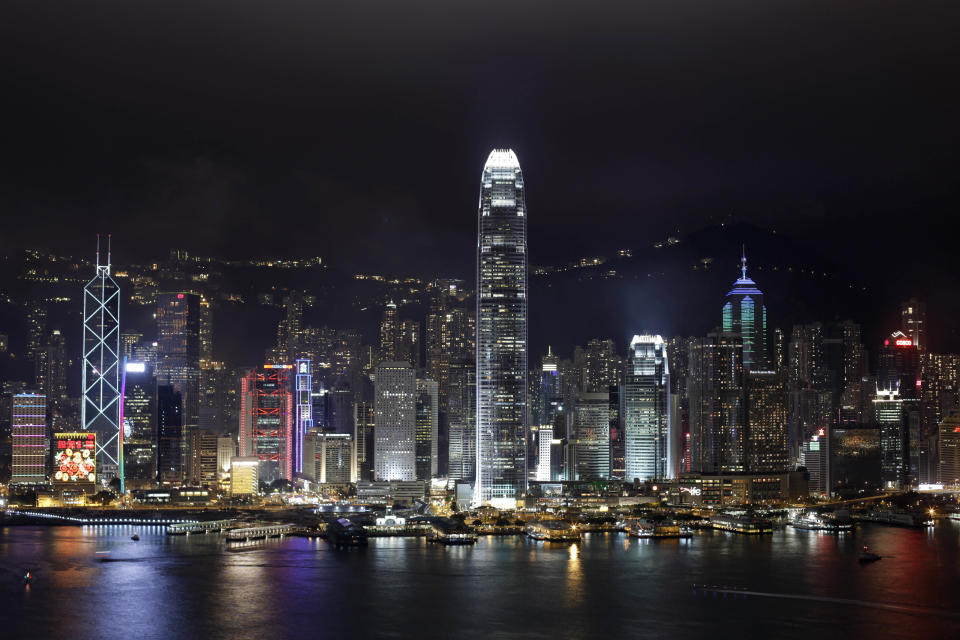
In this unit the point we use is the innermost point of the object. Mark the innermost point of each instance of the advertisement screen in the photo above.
(74, 457)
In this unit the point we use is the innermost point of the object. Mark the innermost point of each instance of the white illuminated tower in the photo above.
(100, 384)
(304, 412)
(501, 332)
(646, 410)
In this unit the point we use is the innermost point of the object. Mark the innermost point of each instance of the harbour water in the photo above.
(800, 584)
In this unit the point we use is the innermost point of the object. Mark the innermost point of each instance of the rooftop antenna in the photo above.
(110, 238)
(743, 262)
(98, 250)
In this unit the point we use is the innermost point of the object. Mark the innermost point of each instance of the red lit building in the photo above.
(266, 420)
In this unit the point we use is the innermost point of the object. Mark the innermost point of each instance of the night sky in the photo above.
(358, 130)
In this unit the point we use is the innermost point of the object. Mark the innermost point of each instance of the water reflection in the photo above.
(608, 585)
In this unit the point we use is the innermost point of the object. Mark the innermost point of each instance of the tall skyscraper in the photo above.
(364, 440)
(602, 366)
(178, 356)
(913, 321)
(31, 439)
(395, 430)
(388, 333)
(450, 333)
(593, 436)
(893, 418)
(100, 382)
(898, 365)
(745, 314)
(949, 454)
(206, 329)
(427, 418)
(461, 418)
(717, 416)
(501, 331)
(52, 379)
(766, 404)
(139, 425)
(266, 420)
(408, 343)
(203, 458)
(304, 419)
(169, 436)
(646, 410)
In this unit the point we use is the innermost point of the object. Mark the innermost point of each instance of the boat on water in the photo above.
(344, 533)
(747, 524)
(553, 531)
(868, 556)
(27, 577)
(644, 528)
(454, 532)
(914, 519)
(832, 522)
(135, 537)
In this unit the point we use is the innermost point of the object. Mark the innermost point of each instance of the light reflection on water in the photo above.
(606, 585)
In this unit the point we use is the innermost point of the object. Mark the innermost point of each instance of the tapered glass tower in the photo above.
(100, 383)
(501, 332)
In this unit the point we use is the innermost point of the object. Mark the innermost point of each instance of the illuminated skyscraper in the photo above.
(717, 417)
(304, 417)
(31, 441)
(266, 420)
(646, 410)
(913, 321)
(745, 314)
(766, 406)
(450, 334)
(100, 383)
(395, 430)
(461, 418)
(427, 437)
(893, 418)
(178, 356)
(139, 425)
(388, 332)
(593, 437)
(501, 331)
(408, 342)
(949, 441)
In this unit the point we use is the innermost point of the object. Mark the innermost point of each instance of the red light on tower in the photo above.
(179, 296)
(886, 343)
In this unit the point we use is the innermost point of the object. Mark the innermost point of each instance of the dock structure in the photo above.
(186, 528)
(260, 531)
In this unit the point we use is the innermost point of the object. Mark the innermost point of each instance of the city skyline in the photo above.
(684, 363)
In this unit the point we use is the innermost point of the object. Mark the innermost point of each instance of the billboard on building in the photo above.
(74, 457)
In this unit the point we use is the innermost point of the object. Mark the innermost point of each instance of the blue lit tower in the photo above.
(100, 382)
(304, 418)
(501, 331)
(745, 315)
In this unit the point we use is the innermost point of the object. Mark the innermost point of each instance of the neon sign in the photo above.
(74, 458)
(904, 342)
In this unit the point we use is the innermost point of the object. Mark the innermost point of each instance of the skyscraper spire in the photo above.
(744, 313)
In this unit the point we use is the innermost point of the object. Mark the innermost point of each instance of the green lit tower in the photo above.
(745, 315)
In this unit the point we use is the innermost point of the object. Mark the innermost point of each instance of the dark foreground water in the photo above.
(808, 585)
